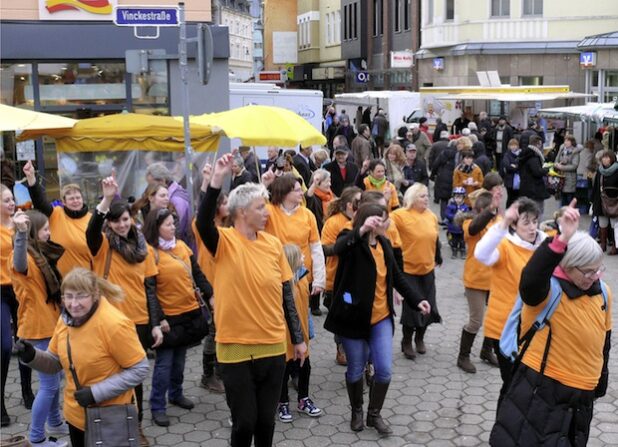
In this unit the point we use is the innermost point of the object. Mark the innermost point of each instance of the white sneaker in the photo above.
(51, 442)
(59, 430)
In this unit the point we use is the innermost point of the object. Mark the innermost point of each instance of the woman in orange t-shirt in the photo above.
(178, 274)
(418, 228)
(36, 281)
(106, 354)
(372, 177)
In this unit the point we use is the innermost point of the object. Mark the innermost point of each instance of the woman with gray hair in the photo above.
(563, 367)
(319, 196)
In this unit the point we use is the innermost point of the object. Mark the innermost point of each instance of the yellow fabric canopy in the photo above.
(263, 126)
(18, 120)
(130, 131)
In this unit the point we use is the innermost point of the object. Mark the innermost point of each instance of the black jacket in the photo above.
(356, 275)
(304, 169)
(609, 181)
(435, 150)
(415, 173)
(507, 134)
(337, 182)
(532, 175)
(510, 167)
(244, 177)
(442, 173)
(480, 157)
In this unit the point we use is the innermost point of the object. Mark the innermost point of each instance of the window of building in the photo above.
(329, 37)
(397, 12)
(346, 21)
(450, 9)
(531, 80)
(533, 7)
(355, 21)
(429, 12)
(376, 17)
(406, 15)
(17, 85)
(337, 26)
(500, 8)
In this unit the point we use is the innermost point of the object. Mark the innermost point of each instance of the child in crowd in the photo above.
(301, 298)
(468, 174)
(454, 231)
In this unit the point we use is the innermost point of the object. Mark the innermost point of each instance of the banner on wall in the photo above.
(76, 9)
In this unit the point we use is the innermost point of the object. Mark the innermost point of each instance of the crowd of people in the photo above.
(90, 294)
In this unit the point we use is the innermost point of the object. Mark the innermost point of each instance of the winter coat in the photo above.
(179, 197)
(510, 167)
(435, 150)
(415, 173)
(442, 173)
(337, 182)
(586, 162)
(244, 177)
(524, 139)
(356, 276)
(507, 134)
(569, 157)
(451, 211)
(480, 157)
(305, 168)
(532, 175)
(361, 150)
(608, 181)
(422, 143)
(347, 132)
(439, 128)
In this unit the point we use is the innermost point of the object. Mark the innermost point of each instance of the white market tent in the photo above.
(594, 111)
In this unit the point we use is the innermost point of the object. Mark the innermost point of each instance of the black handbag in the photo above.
(111, 425)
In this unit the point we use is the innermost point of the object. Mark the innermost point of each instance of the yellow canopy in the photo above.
(18, 120)
(131, 131)
(263, 126)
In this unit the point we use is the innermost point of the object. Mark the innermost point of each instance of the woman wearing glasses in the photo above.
(106, 353)
(564, 369)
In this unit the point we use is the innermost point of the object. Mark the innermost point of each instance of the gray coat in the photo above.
(569, 157)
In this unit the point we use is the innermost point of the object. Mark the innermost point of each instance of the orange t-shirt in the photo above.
(71, 234)
(131, 278)
(460, 178)
(174, 283)
(6, 248)
(380, 309)
(394, 200)
(578, 329)
(36, 318)
(504, 288)
(476, 275)
(300, 228)
(419, 232)
(301, 299)
(249, 289)
(105, 345)
(205, 260)
(330, 231)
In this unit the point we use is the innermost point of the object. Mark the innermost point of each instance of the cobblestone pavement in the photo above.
(431, 402)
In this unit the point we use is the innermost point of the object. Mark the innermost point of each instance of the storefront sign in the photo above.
(272, 76)
(588, 59)
(362, 77)
(402, 59)
(438, 63)
(76, 9)
(139, 16)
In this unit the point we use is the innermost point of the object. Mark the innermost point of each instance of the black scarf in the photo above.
(132, 248)
(76, 214)
(46, 255)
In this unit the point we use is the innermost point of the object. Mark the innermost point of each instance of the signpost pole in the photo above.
(182, 52)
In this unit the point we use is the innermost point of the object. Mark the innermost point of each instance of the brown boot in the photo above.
(465, 346)
(406, 343)
(419, 339)
(212, 383)
(143, 440)
(612, 251)
(603, 238)
(487, 353)
(340, 357)
(355, 393)
(377, 394)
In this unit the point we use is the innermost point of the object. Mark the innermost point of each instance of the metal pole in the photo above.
(182, 59)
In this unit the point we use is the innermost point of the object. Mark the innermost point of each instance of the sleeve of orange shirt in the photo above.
(458, 178)
(394, 201)
(150, 268)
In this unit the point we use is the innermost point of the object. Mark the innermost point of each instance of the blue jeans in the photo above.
(46, 406)
(167, 377)
(378, 348)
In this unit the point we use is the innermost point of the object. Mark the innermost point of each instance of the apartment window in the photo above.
(450, 9)
(337, 30)
(500, 8)
(397, 16)
(329, 35)
(355, 21)
(346, 21)
(406, 15)
(429, 11)
(376, 16)
(533, 7)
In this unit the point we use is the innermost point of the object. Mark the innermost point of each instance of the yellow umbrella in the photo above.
(263, 126)
(131, 131)
(17, 120)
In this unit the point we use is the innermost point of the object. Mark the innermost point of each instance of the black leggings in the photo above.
(303, 372)
(143, 333)
(78, 437)
(506, 370)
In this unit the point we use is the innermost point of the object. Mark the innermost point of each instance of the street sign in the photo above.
(362, 77)
(145, 16)
(588, 59)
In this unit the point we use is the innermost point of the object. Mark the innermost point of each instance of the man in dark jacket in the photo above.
(415, 169)
(502, 135)
(250, 162)
(533, 129)
(346, 130)
(303, 163)
(438, 146)
(379, 128)
(342, 172)
(532, 173)
(240, 175)
(440, 126)
(480, 155)
(362, 149)
(442, 174)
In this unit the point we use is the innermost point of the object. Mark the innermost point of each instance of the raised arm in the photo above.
(94, 235)
(20, 246)
(36, 190)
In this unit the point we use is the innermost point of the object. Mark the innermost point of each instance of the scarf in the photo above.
(378, 184)
(325, 198)
(465, 168)
(76, 214)
(46, 255)
(77, 322)
(608, 171)
(132, 248)
(538, 152)
(167, 245)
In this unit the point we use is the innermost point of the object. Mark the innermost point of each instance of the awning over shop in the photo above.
(514, 97)
(598, 112)
(18, 120)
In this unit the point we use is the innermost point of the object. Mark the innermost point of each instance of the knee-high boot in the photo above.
(419, 339)
(465, 346)
(377, 394)
(406, 343)
(355, 393)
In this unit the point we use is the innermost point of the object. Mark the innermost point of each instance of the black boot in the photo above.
(463, 359)
(406, 343)
(377, 394)
(26, 386)
(355, 393)
(314, 304)
(419, 339)
(487, 353)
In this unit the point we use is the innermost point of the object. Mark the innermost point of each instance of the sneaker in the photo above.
(60, 430)
(51, 442)
(307, 406)
(284, 412)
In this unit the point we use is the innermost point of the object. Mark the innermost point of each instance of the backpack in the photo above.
(510, 341)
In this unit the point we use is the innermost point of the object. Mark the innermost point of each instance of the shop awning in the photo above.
(257, 125)
(18, 120)
(514, 97)
(597, 112)
(130, 131)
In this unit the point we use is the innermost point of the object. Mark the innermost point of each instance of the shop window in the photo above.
(533, 8)
(531, 80)
(150, 90)
(450, 10)
(611, 79)
(81, 83)
(500, 8)
(16, 85)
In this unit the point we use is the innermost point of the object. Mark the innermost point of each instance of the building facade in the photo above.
(236, 15)
(257, 19)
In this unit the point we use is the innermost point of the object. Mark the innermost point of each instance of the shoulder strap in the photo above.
(108, 264)
(71, 365)
(156, 255)
(604, 293)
